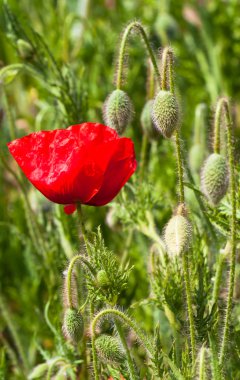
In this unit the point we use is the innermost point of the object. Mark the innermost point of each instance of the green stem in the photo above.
(148, 345)
(167, 82)
(179, 167)
(133, 25)
(202, 365)
(12, 128)
(126, 349)
(230, 148)
(69, 276)
(219, 272)
(143, 156)
(217, 124)
(189, 305)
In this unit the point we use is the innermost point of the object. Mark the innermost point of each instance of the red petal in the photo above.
(69, 209)
(121, 166)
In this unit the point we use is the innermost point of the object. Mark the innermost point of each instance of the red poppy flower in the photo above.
(86, 163)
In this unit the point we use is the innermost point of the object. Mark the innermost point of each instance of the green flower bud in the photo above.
(178, 233)
(215, 178)
(25, 50)
(109, 349)
(146, 121)
(165, 113)
(73, 325)
(118, 111)
(102, 279)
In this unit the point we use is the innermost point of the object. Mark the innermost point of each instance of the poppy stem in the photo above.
(83, 232)
(135, 25)
(230, 147)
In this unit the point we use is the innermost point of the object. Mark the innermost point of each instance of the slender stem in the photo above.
(189, 305)
(167, 82)
(202, 365)
(125, 346)
(69, 276)
(217, 124)
(143, 155)
(230, 148)
(179, 167)
(133, 25)
(12, 127)
(219, 271)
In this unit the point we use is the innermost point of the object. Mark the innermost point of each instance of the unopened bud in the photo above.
(109, 349)
(215, 178)
(73, 325)
(118, 111)
(165, 113)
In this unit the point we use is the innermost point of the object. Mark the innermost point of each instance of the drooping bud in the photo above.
(165, 113)
(178, 232)
(109, 349)
(25, 50)
(118, 111)
(215, 178)
(73, 325)
(102, 279)
(146, 121)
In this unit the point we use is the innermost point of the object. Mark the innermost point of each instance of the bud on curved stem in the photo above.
(125, 320)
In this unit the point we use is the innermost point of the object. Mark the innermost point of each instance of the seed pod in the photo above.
(165, 113)
(215, 178)
(178, 234)
(73, 325)
(102, 279)
(146, 121)
(25, 50)
(109, 349)
(118, 111)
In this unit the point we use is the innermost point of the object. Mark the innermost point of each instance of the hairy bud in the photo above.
(165, 113)
(73, 325)
(39, 372)
(109, 349)
(102, 279)
(25, 50)
(118, 111)
(178, 233)
(215, 178)
(146, 121)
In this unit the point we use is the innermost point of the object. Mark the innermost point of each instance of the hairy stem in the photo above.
(126, 349)
(217, 124)
(69, 276)
(230, 148)
(189, 306)
(137, 26)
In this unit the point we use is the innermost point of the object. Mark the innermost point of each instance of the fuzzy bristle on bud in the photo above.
(146, 121)
(215, 178)
(102, 279)
(109, 349)
(73, 325)
(118, 111)
(165, 113)
(178, 233)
